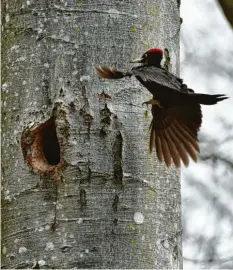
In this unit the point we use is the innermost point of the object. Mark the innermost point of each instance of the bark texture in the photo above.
(100, 200)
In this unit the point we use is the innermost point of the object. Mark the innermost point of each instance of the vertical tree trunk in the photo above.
(80, 188)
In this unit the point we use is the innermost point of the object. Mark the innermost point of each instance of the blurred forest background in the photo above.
(207, 187)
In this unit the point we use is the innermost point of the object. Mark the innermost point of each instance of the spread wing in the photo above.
(165, 87)
(160, 76)
(174, 133)
(174, 127)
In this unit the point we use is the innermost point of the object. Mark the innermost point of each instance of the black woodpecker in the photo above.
(175, 108)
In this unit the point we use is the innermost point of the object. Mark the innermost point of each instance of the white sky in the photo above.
(206, 58)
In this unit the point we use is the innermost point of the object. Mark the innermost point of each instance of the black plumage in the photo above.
(175, 108)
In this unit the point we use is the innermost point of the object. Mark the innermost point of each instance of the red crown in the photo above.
(155, 50)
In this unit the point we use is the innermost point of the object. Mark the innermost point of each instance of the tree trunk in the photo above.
(80, 189)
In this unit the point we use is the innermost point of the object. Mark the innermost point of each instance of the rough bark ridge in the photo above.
(103, 201)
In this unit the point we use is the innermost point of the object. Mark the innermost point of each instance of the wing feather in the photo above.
(188, 137)
(152, 140)
(111, 73)
(174, 133)
(173, 149)
(187, 145)
(158, 75)
(165, 149)
(179, 147)
(158, 147)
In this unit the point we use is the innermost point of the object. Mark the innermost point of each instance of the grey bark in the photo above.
(110, 204)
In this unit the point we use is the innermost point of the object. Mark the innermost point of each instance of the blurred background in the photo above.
(207, 187)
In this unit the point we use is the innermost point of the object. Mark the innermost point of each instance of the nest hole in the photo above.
(49, 143)
(41, 147)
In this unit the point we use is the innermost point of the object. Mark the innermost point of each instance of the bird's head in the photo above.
(150, 57)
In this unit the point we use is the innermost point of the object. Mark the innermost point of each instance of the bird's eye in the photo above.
(145, 55)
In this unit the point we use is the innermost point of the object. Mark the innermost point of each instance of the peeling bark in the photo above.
(100, 200)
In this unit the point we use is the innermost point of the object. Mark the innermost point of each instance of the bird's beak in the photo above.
(139, 60)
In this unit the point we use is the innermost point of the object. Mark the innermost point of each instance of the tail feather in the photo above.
(207, 99)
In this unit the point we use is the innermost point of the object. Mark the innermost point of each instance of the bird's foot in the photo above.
(152, 102)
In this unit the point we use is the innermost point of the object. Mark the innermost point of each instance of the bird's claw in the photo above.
(145, 103)
(152, 102)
